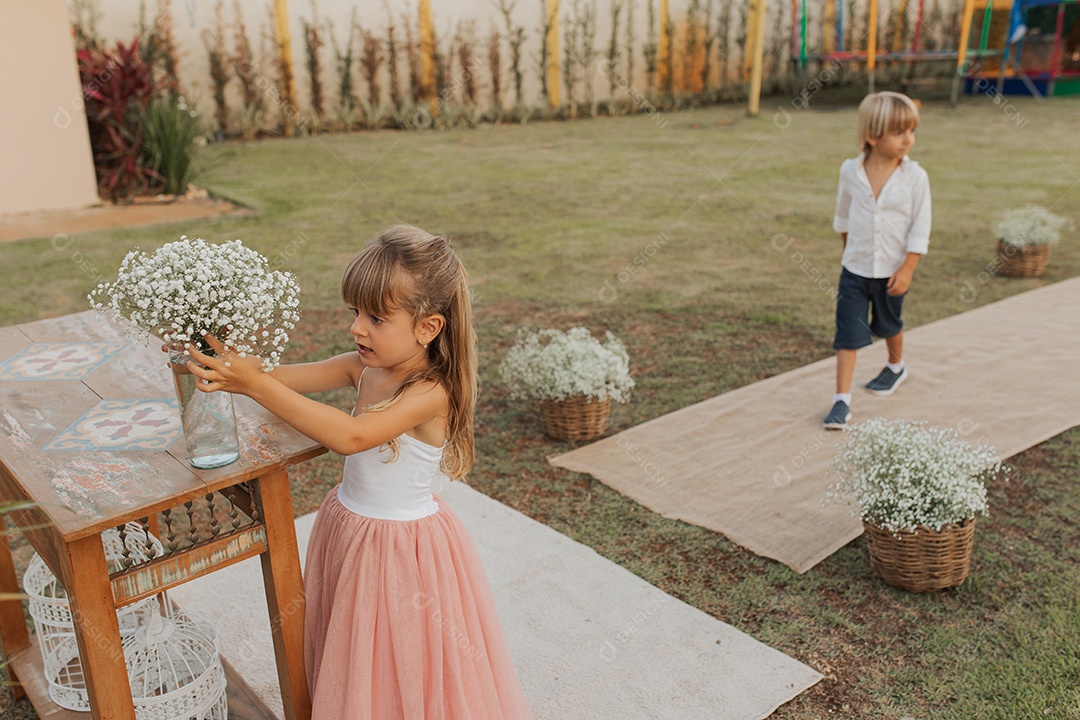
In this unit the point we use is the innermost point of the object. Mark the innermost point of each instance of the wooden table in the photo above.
(90, 435)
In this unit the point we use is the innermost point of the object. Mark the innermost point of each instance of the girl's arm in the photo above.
(336, 429)
(326, 425)
(330, 374)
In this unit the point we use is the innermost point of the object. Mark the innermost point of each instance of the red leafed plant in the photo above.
(117, 86)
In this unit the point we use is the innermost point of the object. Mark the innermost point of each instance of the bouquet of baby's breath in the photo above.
(1031, 225)
(556, 365)
(905, 475)
(190, 288)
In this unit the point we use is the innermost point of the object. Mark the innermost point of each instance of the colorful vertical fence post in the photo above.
(427, 52)
(285, 61)
(871, 42)
(1055, 57)
(663, 69)
(918, 27)
(757, 11)
(803, 20)
(828, 27)
(896, 42)
(552, 41)
(751, 38)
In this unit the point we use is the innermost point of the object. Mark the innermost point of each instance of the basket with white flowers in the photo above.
(917, 488)
(188, 289)
(1025, 236)
(573, 376)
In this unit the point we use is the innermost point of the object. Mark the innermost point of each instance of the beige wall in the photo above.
(192, 19)
(45, 159)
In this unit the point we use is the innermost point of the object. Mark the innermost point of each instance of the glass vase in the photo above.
(208, 419)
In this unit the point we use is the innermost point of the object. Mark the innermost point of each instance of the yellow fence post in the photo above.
(965, 34)
(757, 12)
(664, 48)
(285, 62)
(751, 39)
(828, 27)
(898, 29)
(962, 49)
(427, 55)
(553, 52)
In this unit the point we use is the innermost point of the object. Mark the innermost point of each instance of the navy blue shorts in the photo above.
(857, 297)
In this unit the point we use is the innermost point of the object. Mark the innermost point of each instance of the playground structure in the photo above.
(834, 52)
(1029, 47)
(1037, 48)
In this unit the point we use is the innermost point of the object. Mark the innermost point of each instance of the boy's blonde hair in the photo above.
(884, 112)
(406, 268)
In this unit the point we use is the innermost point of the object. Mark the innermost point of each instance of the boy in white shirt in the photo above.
(883, 215)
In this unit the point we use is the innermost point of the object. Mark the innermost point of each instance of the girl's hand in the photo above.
(228, 371)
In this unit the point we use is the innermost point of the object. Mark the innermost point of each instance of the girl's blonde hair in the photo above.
(406, 268)
(884, 112)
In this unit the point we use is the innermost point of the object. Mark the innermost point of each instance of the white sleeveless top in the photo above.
(377, 486)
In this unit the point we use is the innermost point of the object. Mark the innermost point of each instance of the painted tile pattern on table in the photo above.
(14, 430)
(258, 441)
(58, 361)
(110, 425)
(87, 479)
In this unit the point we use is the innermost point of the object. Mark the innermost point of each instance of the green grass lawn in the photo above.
(731, 220)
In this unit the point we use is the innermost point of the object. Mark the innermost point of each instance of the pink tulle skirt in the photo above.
(401, 623)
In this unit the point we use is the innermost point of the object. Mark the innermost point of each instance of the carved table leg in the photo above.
(96, 630)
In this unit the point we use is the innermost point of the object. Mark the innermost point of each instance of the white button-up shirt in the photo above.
(882, 231)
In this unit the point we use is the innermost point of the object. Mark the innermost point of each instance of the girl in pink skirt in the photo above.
(400, 624)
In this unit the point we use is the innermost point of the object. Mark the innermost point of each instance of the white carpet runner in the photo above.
(591, 640)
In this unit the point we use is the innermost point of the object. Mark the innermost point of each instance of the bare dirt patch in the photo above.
(195, 205)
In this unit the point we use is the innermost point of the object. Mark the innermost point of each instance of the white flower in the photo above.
(1031, 225)
(556, 365)
(903, 475)
(197, 288)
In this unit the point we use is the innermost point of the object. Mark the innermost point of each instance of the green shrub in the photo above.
(170, 128)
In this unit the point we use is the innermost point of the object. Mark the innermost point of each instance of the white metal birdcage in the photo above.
(175, 670)
(53, 623)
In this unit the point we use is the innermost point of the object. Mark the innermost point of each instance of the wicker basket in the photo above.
(923, 561)
(1021, 262)
(576, 418)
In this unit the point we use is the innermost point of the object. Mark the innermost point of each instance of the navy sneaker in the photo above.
(887, 381)
(838, 417)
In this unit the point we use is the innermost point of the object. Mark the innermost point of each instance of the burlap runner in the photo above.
(751, 463)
